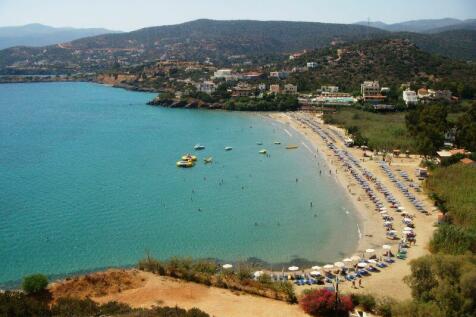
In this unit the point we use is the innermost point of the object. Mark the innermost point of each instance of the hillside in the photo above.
(222, 42)
(41, 35)
(392, 62)
(423, 26)
(459, 44)
(196, 40)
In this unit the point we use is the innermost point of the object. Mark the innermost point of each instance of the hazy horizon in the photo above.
(111, 14)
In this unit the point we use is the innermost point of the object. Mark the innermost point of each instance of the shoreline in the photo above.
(359, 208)
(390, 281)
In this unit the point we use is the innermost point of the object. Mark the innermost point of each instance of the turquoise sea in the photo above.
(88, 180)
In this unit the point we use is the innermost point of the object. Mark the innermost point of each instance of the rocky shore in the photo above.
(189, 103)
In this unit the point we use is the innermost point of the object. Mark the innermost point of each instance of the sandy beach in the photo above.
(389, 282)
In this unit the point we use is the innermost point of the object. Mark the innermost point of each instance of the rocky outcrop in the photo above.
(189, 103)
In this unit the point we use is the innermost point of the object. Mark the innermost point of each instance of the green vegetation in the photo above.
(267, 103)
(34, 284)
(211, 274)
(391, 61)
(444, 283)
(454, 189)
(380, 131)
(466, 129)
(427, 125)
(16, 304)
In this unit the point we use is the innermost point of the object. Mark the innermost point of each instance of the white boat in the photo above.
(277, 142)
(228, 148)
(198, 147)
(263, 151)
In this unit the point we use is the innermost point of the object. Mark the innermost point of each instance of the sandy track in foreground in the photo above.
(389, 282)
(217, 302)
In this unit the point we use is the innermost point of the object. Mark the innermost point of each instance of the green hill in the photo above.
(392, 62)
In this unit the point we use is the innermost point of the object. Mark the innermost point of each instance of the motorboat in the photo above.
(277, 142)
(185, 164)
(292, 146)
(199, 147)
(208, 160)
(259, 143)
(263, 151)
(228, 148)
(189, 157)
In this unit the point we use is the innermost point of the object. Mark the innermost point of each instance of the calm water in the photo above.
(88, 180)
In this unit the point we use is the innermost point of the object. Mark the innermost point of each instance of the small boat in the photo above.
(277, 142)
(189, 157)
(199, 147)
(228, 148)
(259, 143)
(292, 146)
(263, 151)
(208, 160)
(185, 164)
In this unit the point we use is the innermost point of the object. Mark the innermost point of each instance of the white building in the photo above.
(290, 89)
(370, 88)
(331, 89)
(311, 65)
(279, 75)
(223, 74)
(207, 87)
(410, 97)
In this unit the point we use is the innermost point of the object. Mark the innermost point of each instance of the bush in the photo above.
(15, 304)
(34, 284)
(75, 307)
(322, 302)
(367, 302)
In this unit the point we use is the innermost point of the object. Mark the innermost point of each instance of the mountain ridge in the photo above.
(423, 25)
(36, 34)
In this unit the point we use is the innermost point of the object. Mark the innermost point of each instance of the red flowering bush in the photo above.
(322, 302)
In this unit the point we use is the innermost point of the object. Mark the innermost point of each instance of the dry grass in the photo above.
(97, 284)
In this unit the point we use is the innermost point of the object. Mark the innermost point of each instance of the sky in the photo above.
(127, 15)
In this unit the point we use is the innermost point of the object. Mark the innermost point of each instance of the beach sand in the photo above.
(389, 282)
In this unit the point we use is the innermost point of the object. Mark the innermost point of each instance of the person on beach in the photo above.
(353, 284)
(360, 282)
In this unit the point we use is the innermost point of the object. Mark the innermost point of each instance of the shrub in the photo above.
(75, 307)
(34, 284)
(366, 301)
(15, 304)
(322, 302)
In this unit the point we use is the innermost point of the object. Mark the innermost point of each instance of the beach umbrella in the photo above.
(372, 261)
(387, 223)
(386, 247)
(407, 229)
(258, 273)
(407, 220)
(227, 266)
(346, 260)
(315, 273)
(369, 251)
(401, 208)
(355, 258)
(328, 266)
(316, 268)
(383, 212)
(293, 268)
(362, 264)
(339, 264)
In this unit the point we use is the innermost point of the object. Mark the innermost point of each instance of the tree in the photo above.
(428, 125)
(466, 129)
(34, 284)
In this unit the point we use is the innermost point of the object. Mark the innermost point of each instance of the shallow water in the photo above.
(88, 180)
